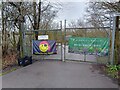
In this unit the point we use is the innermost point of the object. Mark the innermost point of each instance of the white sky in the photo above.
(72, 11)
(83, 0)
(63, 0)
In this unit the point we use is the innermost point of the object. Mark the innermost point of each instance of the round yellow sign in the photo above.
(44, 46)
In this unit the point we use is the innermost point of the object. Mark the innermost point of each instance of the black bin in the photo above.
(25, 61)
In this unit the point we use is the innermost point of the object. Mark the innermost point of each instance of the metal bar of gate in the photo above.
(44, 30)
(61, 40)
(64, 40)
(90, 28)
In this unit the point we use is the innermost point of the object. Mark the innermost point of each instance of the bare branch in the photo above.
(30, 21)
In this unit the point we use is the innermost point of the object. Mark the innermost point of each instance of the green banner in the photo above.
(98, 46)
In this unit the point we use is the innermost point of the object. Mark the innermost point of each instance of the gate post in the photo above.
(115, 35)
(113, 40)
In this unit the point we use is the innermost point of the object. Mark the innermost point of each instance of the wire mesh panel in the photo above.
(87, 44)
(28, 45)
(53, 36)
(58, 47)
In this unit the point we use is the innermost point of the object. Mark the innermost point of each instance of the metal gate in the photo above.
(87, 32)
(53, 34)
(62, 37)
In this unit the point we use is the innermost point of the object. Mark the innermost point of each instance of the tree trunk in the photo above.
(4, 33)
(36, 19)
(14, 41)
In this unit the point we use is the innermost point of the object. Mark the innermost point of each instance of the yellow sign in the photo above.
(44, 46)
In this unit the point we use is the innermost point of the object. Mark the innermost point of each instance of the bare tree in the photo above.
(99, 15)
(77, 24)
(34, 15)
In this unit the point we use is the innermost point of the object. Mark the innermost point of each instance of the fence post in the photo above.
(117, 39)
(113, 40)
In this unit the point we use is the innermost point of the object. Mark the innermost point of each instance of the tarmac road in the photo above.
(56, 74)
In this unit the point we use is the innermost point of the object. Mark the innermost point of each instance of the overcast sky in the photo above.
(72, 11)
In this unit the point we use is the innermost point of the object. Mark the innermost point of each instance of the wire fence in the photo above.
(87, 32)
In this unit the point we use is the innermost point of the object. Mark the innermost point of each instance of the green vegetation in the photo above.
(113, 71)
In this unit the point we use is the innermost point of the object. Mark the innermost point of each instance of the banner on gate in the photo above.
(44, 47)
(81, 45)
